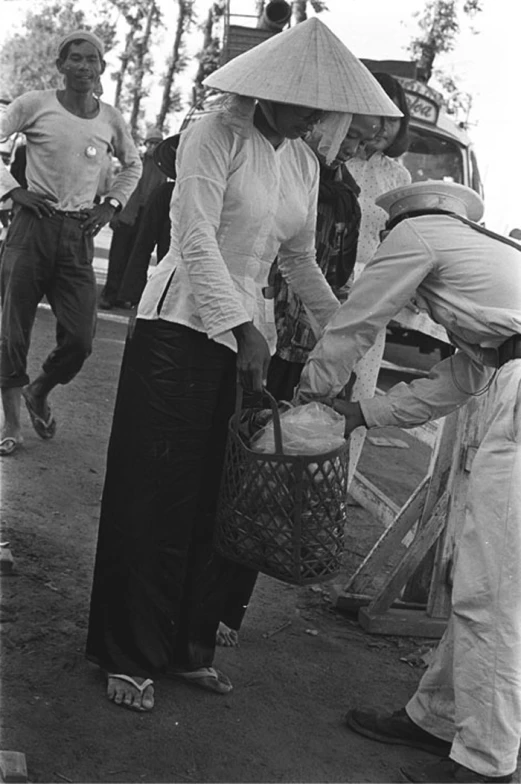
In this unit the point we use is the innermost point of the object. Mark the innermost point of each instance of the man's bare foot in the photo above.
(40, 413)
(38, 403)
(10, 427)
(133, 693)
(228, 638)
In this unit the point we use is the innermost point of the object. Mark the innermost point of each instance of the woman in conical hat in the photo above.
(246, 192)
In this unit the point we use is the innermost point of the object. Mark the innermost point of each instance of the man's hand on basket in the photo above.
(352, 413)
(253, 357)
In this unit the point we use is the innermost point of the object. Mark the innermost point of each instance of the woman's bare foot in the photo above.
(133, 693)
(228, 638)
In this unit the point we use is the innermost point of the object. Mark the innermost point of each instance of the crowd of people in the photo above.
(274, 272)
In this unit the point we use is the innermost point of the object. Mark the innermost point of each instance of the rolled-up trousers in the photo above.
(471, 693)
(159, 588)
(49, 256)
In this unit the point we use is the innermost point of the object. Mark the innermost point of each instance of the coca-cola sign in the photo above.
(422, 107)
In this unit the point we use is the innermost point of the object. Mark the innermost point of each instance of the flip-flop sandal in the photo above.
(226, 636)
(207, 678)
(45, 428)
(9, 445)
(141, 687)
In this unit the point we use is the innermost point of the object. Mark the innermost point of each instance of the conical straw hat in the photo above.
(306, 65)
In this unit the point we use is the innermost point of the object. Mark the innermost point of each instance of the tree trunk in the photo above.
(139, 73)
(299, 12)
(207, 40)
(183, 20)
(426, 61)
(125, 58)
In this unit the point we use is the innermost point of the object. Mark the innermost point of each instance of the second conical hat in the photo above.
(306, 65)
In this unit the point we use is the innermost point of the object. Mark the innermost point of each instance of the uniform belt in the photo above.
(510, 349)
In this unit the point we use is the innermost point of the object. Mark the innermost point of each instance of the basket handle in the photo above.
(277, 430)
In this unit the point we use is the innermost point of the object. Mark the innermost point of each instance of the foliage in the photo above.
(142, 65)
(210, 55)
(319, 6)
(27, 60)
(141, 18)
(439, 24)
(177, 60)
(458, 103)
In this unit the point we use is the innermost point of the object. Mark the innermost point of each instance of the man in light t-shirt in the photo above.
(49, 247)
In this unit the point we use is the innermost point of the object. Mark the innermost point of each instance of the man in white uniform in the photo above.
(468, 704)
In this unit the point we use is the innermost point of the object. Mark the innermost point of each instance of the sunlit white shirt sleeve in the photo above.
(448, 386)
(205, 164)
(387, 283)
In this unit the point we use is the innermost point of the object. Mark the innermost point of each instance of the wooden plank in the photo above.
(371, 498)
(470, 425)
(408, 371)
(389, 541)
(347, 600)
(350, 602)
(427, 433)
(442, 459)
(410, 561)
(402, 623)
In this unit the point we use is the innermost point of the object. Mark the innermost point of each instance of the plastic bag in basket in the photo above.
(311, 429)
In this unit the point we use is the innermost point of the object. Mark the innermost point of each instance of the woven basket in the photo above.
(283, 515)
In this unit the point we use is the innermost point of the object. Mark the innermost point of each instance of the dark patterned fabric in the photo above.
(338, 224)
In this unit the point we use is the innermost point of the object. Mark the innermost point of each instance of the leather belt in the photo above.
(72, 214)
(510, 349)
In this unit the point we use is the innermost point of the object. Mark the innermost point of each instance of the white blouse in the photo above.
(237, 204)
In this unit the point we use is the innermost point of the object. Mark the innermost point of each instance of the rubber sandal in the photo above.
(9, 445)
(141, 687)
(207, 678)
(45, 428)
(226, 636)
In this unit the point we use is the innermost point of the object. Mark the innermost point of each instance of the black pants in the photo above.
(123, 239)
(50, 256)
(159, 589)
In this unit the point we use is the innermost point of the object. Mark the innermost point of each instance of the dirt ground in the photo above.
(300, 665)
